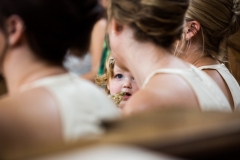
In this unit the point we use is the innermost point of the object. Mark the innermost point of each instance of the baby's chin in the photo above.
(122, 104)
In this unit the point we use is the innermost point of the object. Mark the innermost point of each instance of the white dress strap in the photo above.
(208, 93)
(45, 81)
(230, 80)
(165, 70)
(215, 66)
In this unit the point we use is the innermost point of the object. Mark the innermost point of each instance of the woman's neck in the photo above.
(142, 58)
(146, 58)
(197, 57)
(21, 67)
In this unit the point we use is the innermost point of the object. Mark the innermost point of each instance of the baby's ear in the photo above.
(192, 29)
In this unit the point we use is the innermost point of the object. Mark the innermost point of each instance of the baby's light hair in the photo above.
(102, 80)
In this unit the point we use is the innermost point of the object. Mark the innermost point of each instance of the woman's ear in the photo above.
(15, 28)
(116, 28)
(192, 28)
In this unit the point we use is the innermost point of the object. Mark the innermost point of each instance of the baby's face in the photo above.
(122, 81)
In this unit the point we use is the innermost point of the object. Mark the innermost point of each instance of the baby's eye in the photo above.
(118, 76)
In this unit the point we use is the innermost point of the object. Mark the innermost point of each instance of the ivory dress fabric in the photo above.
(209, 95)
(230, 80)
(82, 105)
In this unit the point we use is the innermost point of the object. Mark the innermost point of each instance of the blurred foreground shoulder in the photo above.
(140, 101)
(24, 122)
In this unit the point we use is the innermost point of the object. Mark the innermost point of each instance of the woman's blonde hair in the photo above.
(102, 80)
(218, 19)
(158, 21)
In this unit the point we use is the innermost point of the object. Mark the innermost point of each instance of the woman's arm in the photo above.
(96, 47)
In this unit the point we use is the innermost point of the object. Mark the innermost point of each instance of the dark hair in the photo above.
(159, 21)
(54, 26)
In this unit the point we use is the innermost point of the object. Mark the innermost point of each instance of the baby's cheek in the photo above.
(135, 87)
(114, 88)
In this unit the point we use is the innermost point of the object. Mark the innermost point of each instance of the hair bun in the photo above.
(235, 8)
(234, 25)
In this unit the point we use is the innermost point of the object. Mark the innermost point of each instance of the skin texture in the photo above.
(163, 90)
(96, 46)
(30, 117)
(122, 81)
(194, 56)
(95, 50)
(25, 123)
(24, 115)
(104, 3)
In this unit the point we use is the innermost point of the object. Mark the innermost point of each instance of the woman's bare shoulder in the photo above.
(28, 117)
(143, 99)
(102, 23)
(99, 26)
(32, 98)
(166, 91)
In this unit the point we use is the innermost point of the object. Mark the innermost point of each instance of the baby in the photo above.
(118, 83)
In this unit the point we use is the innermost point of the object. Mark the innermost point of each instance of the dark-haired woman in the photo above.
(87, 66)
(45, 104)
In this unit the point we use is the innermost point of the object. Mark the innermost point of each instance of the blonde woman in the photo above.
(142, 34)
(208, 27)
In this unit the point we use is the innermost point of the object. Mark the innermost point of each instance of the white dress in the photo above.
(230, 80)
(209, 95)
(82, 105)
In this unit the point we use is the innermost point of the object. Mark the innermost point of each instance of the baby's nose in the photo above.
(127, 83)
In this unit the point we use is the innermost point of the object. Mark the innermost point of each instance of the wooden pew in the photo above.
(178, 132)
